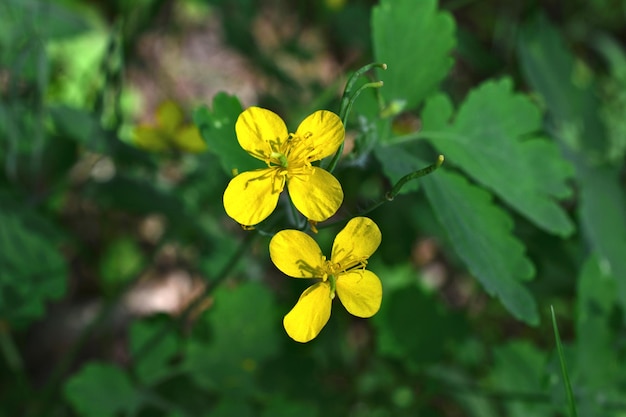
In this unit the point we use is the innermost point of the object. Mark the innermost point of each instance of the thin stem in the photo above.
(347, 100)
(566, 382)
(390, 195)
(412, 176)
(344, 119)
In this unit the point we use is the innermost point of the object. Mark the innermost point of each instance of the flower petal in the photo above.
(360, 292)
(260, 131)
(188, 139)
(310, 314)
(252, 196)
(169, 116)
(296, 254)
(150, 138)
(357, 241)
(326, 132)
(317, 195)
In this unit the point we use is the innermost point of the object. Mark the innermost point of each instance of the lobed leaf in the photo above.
(480, 233)
(217, 127)
(414, 39)
(489, 141)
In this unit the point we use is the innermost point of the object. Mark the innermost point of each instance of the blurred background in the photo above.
(125, 290)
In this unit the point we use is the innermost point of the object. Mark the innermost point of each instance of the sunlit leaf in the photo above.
(415, 40)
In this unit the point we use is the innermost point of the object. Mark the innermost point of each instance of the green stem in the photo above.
(390, 195)
(412, 176)
(347, 101)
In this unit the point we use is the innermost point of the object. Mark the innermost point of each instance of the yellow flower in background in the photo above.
(170, 132)
(297, 255)
(252, 196)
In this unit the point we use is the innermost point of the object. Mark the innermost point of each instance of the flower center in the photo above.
(293, 155)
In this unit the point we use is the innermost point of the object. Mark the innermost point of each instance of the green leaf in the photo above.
(551, 69)
(415, 40)
(153, 363)
(32, 269)
(573, 110)
(245, 330)
(121, 262)
(519, 371)
(413, 326)
(101, 390)
(595, 338)
(485, 140)
(217, 127)
(480, 233)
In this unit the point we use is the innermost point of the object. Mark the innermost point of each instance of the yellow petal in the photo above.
(323, 131)
(310, 314)
(360, 292)
(317, 196)
(188, 139)
(296, 254)
(357, 241)
(252, 196)
(150, 138)
(260, 131)
(169, 116)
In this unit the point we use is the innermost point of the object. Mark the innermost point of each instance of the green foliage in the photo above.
(217, 127)
(491, 140)
(125, 290)
(244, 333)
(32, 269)
(101, 390)
(480, 233)
(414, 39)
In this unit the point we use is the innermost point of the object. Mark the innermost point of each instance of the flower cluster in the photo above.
(170, 132)
(251, 197)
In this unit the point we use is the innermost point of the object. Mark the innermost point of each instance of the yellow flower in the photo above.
(252, 196)
(169, 132)
(296, 254)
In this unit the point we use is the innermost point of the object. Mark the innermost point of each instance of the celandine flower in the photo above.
(252, 196)
(296, 254)
(170, 132)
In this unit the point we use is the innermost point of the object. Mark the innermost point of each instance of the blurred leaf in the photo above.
(153, 363)
(413, 326)
(485, 141)
(77, 124)
(101, 390)
(32, 269)
(245, 329)
(137, 196)
(415, 40)
(230, 407)
(44, 18)
(121, 261)
(595, 339)
(572, 102)
(519, 374)
(480, 233)
(281, 407)
(217, 127)
(573, 110)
